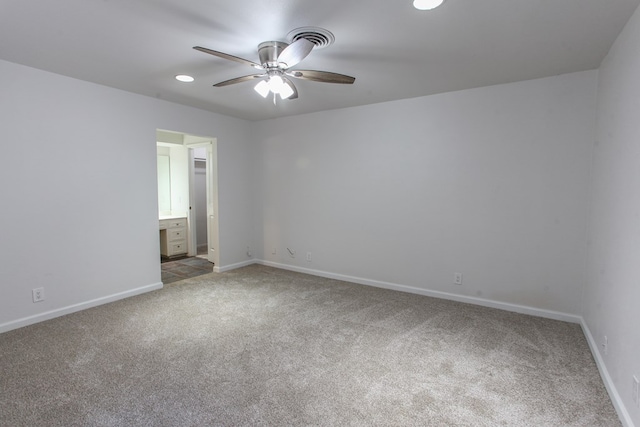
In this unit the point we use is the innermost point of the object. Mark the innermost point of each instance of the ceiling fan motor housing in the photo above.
(269, 53)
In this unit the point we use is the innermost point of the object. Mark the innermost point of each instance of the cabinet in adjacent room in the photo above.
(173, 237)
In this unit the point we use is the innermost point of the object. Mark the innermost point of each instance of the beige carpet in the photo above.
(261, 346)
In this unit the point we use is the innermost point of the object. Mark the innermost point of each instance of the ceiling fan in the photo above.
(276, 61)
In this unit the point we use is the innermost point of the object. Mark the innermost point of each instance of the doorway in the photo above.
(199, 201)
(193, 184)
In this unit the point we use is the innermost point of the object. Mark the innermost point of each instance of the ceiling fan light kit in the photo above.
(427, 4)
(276, 85)
(276, 60)
(262, 88)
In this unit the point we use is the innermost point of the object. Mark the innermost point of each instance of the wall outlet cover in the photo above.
(457, 278)
(38, 294)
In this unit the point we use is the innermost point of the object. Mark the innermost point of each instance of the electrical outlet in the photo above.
(274, 251)
(457, 278)
(38, 294)
(249, 254)
(605, 345)
(308, 256)
(636, 390)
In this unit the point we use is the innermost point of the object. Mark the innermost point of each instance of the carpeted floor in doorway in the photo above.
(261, 346)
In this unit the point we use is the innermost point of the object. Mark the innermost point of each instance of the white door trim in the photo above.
(213, 240)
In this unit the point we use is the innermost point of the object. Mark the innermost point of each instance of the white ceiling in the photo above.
(393, 50)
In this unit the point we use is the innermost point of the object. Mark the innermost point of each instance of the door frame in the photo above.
(213, 239)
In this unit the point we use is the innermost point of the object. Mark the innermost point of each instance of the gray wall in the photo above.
(612, 293)
(490, 182)
(79, 193)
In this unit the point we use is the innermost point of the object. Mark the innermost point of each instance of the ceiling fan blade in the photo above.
(289, 83)
(240, 80)
(321, 76)
(295, 52)
(227, 56)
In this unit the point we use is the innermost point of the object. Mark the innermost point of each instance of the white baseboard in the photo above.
(25, 321)
(625, 418)
(429, 293)
(224, 268)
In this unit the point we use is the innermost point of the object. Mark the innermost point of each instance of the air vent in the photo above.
(318, 36)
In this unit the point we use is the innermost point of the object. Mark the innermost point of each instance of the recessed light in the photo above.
(184, 78)
(427, 4)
